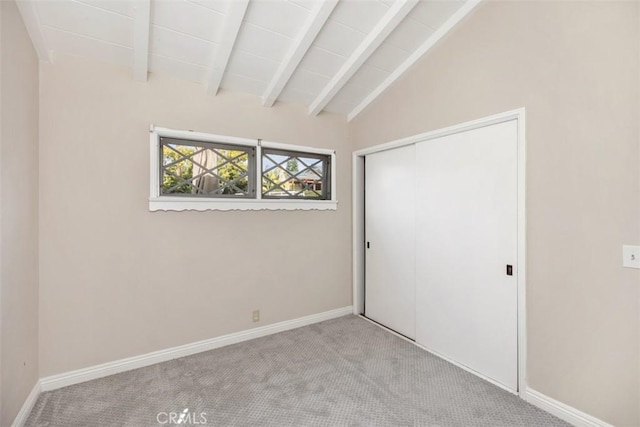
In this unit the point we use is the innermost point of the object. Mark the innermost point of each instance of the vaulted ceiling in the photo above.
(329, 55)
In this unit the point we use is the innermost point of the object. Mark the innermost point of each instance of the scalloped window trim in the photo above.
(193, 204)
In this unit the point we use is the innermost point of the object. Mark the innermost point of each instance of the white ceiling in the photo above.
(329, 55)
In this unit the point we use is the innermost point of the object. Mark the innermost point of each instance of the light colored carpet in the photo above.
(342, 372)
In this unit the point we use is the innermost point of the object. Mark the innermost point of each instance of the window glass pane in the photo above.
(288, 174)
(203, 169)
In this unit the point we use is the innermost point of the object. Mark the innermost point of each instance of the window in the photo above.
(291, 174)
(204, 169)
(196, 171)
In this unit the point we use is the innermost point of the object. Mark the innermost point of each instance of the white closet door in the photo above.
(390, 233)
(466, 234)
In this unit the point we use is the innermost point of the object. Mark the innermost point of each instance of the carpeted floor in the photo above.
(342, 372)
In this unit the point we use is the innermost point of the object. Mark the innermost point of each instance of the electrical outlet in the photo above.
(256, 315)
(631, 256)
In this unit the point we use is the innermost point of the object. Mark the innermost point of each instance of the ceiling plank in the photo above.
(415, 56)
(299, 48)
(32, 23)
(387, 24)
(141, 28)
(235, 15)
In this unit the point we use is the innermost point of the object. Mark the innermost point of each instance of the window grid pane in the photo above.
(291, 174)
(203, 169)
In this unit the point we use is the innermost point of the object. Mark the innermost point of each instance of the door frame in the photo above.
(358, 230)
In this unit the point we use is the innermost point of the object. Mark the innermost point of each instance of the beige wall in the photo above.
(107, 291)
(118, 280)
(574, 66)
(18, 213)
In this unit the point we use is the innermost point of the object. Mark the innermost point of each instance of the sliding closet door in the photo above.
(390, 235)
(466, 234)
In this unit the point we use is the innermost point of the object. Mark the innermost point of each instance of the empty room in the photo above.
(319, 213)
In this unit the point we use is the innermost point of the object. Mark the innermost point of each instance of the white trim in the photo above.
(358, 217)
(315, 22)
(371, 42)
(165, 203)
(123, 365)
(201, 136)
(358, 239)
(154, 166)
(450, 130)
(233, 22)
(448, 25)
(521, 263)
(141, 28)
(259, 175)
(210, 137)
(291, 147)
(554, 407)
(27, 406)
(548, 404)
(32, 24)
(564, 412)
(168, 203)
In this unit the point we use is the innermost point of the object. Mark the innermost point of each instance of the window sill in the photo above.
(197, 204)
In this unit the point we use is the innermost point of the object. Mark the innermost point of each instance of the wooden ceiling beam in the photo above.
(141, 30)
(299, 48)
(422, 50)
(374, 39)
(235, 15)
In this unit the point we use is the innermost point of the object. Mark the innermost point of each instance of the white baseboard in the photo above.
(552, 406)
(28, 405)
(562, 411)
(122, 365)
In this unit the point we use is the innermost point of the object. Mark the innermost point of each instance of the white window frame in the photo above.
(159, 202)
